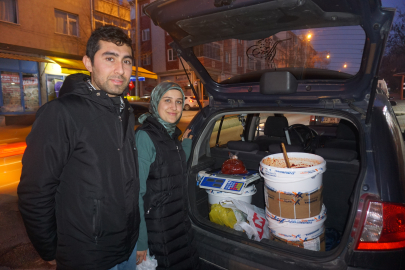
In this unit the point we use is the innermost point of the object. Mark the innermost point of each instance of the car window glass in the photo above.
(231, 130)
(305, 53)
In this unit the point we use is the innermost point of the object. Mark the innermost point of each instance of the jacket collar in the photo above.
(155, 123)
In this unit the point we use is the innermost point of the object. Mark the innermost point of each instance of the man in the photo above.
(78, 193)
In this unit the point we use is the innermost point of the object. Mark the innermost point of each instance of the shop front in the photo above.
(57, 71)
(19, 84)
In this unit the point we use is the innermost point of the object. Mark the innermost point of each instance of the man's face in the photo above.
(111, 69)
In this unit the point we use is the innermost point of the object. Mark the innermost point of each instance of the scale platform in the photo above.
(232, 183)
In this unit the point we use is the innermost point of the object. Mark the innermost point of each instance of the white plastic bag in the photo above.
(258, 227)
(149, 264)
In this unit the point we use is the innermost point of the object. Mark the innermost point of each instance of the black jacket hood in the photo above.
(75, 84)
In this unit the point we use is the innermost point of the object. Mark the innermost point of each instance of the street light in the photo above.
(345, 66)
(328, 56)
(309, 35)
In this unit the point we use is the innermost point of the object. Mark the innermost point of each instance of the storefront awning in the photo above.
(23, 57)
(70, 66)
(144, 73)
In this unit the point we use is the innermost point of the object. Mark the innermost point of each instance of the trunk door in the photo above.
(333, 49)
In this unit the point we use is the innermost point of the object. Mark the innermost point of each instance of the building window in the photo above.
(133, 35)
(145, 34)
(227, 57)
(102, 20)
(66, 23)
(171, 55)
(210, 50)
(146, 59)
(258, 65)
(19, 91)
(239, 61)
(8, 11)
(251, 64)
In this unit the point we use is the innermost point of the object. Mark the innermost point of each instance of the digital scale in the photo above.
(232, 183)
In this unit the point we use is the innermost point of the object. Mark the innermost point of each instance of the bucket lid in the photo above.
(276, 174)
(249, 190)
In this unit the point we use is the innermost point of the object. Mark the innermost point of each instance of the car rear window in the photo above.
(319, 53)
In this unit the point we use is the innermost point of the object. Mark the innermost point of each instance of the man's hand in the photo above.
(187, 135)
(140, 256)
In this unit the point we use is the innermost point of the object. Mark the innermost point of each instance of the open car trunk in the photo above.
(334, 137)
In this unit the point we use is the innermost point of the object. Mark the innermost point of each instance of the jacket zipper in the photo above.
(96, 219)
(178, 152)
(159, 203)
(185, 209)
(121, 145)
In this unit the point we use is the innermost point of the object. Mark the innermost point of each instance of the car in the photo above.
(265, 65)
(190, 102)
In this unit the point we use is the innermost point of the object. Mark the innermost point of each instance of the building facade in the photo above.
(43, 41)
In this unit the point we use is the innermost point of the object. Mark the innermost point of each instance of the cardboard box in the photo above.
(316, 244)
(294, 205)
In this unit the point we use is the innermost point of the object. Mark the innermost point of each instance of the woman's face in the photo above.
(170, 106)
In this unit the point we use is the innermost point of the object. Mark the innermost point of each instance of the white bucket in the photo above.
(214, 197)
(297, 229)
(293, 179)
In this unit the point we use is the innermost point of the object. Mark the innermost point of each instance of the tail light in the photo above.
(12, 149)
(383, 228)
(191, 101)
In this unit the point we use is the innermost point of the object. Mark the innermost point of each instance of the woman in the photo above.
(165, 227)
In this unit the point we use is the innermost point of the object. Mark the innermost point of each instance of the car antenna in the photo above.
(192, 87)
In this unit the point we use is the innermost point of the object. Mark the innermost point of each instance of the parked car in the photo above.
(190, 102)
(264, 61)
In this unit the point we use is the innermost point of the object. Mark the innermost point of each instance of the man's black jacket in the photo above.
(79, 187)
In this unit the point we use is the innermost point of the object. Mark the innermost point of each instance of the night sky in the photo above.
(344, 44)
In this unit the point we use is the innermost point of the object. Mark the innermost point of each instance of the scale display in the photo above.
(235, 183)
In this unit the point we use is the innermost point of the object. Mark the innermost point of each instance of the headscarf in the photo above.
(156, 95)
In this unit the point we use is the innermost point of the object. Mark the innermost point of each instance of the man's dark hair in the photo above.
(107, 33)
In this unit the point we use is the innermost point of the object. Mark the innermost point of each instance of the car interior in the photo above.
(255, 135)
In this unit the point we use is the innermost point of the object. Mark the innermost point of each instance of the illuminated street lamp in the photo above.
(309, 36)
(345, 66)
(328, 56)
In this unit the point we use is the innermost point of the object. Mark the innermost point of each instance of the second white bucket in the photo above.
(305, 174)
(214, 197)
(297, 229)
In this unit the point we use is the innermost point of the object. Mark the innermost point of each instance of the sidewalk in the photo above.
(16, 250)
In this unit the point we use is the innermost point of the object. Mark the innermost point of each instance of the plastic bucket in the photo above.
(297, 229)
(299, 179)
(214, 197)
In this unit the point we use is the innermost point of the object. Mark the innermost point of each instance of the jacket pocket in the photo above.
(157, 203)
(96, 219)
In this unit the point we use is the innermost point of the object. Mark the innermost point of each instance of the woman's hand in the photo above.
(186, 135)
(140, 256)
